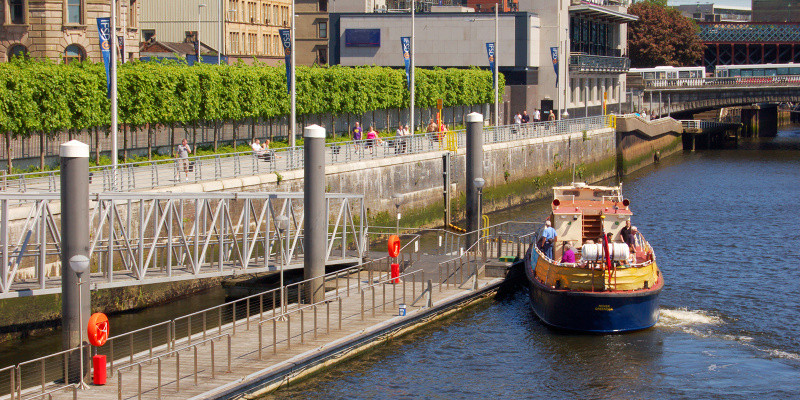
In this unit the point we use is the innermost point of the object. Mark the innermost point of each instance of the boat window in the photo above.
(747, 72)
(733, 72)
(770, 72)
(683, 74)
(695, 74)
(649, 75)
(601, 193)
(783, 71)
(574, 193)
(794, 71)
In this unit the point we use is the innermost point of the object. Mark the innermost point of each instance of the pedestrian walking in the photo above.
(183, 159)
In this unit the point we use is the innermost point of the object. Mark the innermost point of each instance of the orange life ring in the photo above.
(98, 329)
(394, 246)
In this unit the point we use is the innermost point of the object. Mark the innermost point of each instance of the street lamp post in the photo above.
(199, 6)
(413, 56)
(282, 223)
(113, 70)
(79, 264)
(293, 122)
(397, 199)
(496, 66)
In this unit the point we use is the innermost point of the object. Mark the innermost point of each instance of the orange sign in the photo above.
(98, 329)
(394, 246)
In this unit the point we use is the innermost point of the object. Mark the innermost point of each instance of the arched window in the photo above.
(17, 50)
(74, 52)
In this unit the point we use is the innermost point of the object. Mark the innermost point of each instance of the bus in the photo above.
(756, 70)
(671, 76)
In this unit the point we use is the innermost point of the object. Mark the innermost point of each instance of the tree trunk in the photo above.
(41, 151)
(171, 136)
(125, 141)
(149, 141)
(8, 152)
(216, 135)
(96, 147)
(194, 136)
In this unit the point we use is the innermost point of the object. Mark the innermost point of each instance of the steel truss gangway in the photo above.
(145, 238)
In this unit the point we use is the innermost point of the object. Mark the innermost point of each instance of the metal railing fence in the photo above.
(151, 174)
(723, 82)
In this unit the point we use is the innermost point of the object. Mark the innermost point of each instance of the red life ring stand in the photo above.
(97, 330)
(394, 246)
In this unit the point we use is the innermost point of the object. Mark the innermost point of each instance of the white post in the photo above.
(413, 55)
(199, 7)
(496, 65)
(293, 121)
(221, 28)
(113, 68)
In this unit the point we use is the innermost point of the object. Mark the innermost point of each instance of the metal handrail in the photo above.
(176, 353)
(146, 175)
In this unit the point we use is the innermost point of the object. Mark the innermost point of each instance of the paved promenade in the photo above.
(266, 348)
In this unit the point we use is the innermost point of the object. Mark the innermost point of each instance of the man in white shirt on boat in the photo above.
(550, 237)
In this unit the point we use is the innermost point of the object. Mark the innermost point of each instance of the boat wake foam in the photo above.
(693, 322)
(682, 317)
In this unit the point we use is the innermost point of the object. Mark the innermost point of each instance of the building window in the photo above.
(323, 5)
(232, 10)
(17, 50)
(148, 34)
(133, 14)
(75, 12)
(74, 52)
(16, 10)
(265, 13)
(322, 30)
(253, 43)
(278, 45)
(322, 55)
(234, 47)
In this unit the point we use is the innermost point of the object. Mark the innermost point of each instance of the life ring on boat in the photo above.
(98, 329)
(649, 255)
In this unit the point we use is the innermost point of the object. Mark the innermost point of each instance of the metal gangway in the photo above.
(142, 238)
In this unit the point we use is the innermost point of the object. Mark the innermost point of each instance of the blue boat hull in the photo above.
(596, 312)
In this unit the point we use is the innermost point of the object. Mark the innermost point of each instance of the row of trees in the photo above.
(41, 97)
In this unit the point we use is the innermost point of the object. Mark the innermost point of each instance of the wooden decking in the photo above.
(283, 347)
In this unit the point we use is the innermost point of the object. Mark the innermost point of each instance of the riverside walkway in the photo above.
(149, 175)
(254, 344)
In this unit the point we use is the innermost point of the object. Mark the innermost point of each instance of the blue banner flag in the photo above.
(554, 56)
(104, 32)
(286, 38)
(405, 43)
(490, 53)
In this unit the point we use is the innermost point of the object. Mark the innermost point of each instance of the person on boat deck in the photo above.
(627, 233)
(568, 255)
(550, 238)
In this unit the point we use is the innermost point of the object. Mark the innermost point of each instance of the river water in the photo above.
(725, 226)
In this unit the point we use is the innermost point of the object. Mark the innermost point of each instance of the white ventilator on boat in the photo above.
(594, 252)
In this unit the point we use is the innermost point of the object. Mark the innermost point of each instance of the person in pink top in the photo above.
(372, 137)
(568, 255)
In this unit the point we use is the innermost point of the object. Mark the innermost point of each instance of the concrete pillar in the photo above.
(474, 170)
(75, 300)
(768, 121)
(315, 225)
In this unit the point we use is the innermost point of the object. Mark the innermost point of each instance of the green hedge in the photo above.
(44, 97)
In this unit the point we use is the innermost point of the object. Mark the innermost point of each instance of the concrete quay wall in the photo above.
(418, 177)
